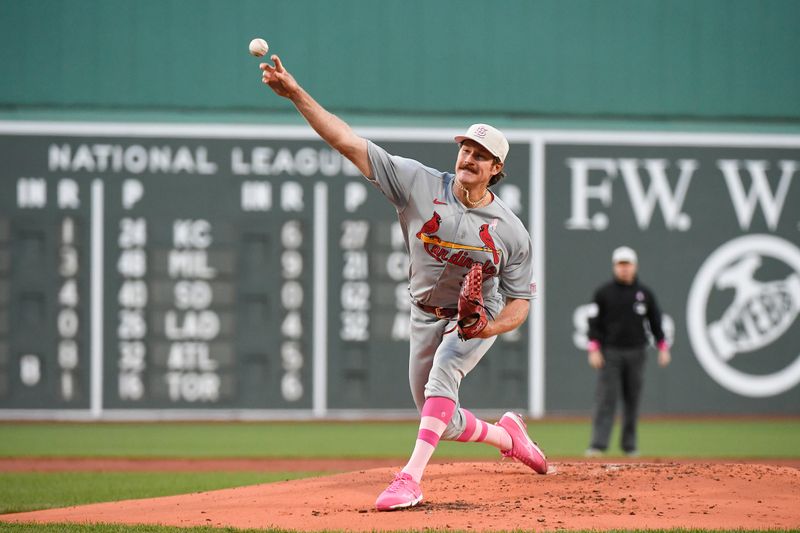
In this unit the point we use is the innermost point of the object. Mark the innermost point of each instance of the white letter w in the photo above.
(644, 203)
(760, 191)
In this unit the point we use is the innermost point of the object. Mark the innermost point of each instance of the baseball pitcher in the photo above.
(471, 278)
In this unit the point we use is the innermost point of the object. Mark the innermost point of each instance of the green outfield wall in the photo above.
(232, 271)
(579, 59)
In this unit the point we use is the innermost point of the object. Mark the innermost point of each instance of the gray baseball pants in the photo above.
(438, 363)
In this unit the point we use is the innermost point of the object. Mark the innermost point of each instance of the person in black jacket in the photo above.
(617, 342)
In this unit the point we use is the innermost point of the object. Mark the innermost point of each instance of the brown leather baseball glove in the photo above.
(471, 311)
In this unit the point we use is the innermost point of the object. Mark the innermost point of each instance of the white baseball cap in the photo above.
(623, 254)
(490, 138)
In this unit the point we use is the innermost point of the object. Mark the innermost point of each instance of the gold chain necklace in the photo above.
(466, 193)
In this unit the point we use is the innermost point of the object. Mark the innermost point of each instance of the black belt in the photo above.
(438, 312)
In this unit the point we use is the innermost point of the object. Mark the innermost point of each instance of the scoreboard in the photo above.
(176, 270)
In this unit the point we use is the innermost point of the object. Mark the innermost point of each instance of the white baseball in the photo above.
(258, 47)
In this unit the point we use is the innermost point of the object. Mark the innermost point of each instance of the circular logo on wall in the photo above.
(755, 315)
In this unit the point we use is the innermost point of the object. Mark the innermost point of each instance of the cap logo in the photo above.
(480, 131)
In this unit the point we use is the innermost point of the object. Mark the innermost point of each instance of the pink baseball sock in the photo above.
(436, 414)
(477, 430)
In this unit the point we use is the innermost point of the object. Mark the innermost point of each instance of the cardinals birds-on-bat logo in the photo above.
(438, 248)
(431, 226)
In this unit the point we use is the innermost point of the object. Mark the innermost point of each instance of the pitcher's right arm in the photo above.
(333, 130)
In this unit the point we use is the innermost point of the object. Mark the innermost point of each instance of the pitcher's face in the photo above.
(475, 164)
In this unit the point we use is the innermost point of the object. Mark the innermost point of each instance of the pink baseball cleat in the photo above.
(523, 449)
(402, 492)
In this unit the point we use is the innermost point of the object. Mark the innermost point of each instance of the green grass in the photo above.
(208, 440)
(746, 438)
(29, 491)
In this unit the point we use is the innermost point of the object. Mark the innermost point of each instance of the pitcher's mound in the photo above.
(484, 497)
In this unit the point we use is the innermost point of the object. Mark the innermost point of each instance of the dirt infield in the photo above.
(484, 496)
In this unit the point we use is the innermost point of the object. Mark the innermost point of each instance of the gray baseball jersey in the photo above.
(444, 238)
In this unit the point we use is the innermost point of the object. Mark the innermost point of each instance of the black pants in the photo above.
(623, 372)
